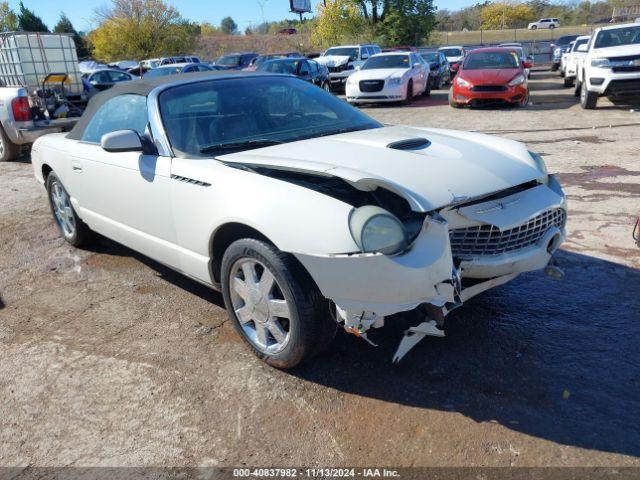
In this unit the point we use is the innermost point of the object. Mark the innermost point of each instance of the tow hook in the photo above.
(553, 270)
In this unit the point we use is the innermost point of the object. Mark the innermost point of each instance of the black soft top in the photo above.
(143, 87)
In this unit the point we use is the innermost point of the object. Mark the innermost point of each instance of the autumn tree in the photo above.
(8, 19)
(337, 21)
(505, 15)
(139, 29)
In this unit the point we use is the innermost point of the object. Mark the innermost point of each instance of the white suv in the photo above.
(344, 60)
(549, 23)
(611, 65)
(572, 59)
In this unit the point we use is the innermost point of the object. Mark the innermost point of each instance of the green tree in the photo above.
(228, 26)
(408, 22)
(140, 29)
(8, 19)
(64, 25)
(506, 15)
(29, 21)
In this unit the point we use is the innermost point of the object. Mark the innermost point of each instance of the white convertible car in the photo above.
(305, 212)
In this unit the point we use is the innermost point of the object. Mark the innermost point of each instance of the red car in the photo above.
(490, 76)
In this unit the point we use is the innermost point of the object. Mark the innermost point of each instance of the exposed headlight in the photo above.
(517, 80)
(376, 230)
(462, 82)
(541, 165)
(395, 81)
(600, 63)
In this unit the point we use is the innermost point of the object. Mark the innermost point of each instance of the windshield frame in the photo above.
(445, 52)
(601, 33)
(510, 53)
(406, 57)
(353, 54)
(160, 132)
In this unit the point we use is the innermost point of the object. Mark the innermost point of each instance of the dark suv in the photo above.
(440, 74)
(558, 48)
(235, 61)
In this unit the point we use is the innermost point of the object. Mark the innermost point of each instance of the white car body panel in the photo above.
(394, 93)
(573, 59)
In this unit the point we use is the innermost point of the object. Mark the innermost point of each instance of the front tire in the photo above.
(452, 102)
(8, 150)
(273, 304)
(409, 95)
(576, 90)
(72, 228)
(588, 100)
(568, 82)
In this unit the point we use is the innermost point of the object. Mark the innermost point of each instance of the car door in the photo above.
(303, 71)
(418, 74)
(124, 196)
(101, 80)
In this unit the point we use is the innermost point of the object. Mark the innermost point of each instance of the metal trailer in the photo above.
(41, 89)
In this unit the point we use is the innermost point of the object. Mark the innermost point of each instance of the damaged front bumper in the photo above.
(502, 238)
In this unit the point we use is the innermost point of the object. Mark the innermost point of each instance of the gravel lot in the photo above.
(107, 358)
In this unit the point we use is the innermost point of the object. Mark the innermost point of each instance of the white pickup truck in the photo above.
(41, 88)
(611, 66)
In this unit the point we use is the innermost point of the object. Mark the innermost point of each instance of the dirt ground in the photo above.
(107, 358)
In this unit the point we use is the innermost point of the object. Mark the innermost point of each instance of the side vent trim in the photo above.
(190, 180)
(410, 144)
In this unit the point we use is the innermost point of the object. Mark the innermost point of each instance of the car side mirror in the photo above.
(583, 48)
(121, 141)
(527, 64)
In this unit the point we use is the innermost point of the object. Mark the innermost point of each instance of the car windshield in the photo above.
(228, 60)
(452, 52)
(491, 60)
(342, 52)
(220, 116)
(579, 42)
(162, 71)
(387, 61)
(617, 37)
(566, 40)
(280, 66)
(430, 57)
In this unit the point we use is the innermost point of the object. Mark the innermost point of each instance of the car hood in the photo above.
(380, 73)
(619, 51)
(454, 167)
(333, 60)
(490, 76)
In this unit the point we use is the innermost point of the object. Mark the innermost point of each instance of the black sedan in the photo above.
(440, 72)
(308, 70)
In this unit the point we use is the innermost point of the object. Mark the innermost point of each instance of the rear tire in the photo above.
(534, 27)
(568, 81)
(72, 228)
(8, 150)
(588, 100)
(427, 89)
(554, 67)
(298, 327)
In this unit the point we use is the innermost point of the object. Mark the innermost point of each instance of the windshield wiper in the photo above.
(256, 143)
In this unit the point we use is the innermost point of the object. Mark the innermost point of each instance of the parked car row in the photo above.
(603, 64)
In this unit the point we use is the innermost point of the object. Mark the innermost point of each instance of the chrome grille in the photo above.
(486, 240)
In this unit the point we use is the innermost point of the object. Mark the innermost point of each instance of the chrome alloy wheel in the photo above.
(259, 305)
(62, 209)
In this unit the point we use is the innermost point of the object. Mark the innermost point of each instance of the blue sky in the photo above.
(244, 12)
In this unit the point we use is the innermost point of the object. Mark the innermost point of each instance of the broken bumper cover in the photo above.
(428, 272)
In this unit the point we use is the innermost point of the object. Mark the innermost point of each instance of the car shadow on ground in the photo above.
(553, 359)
